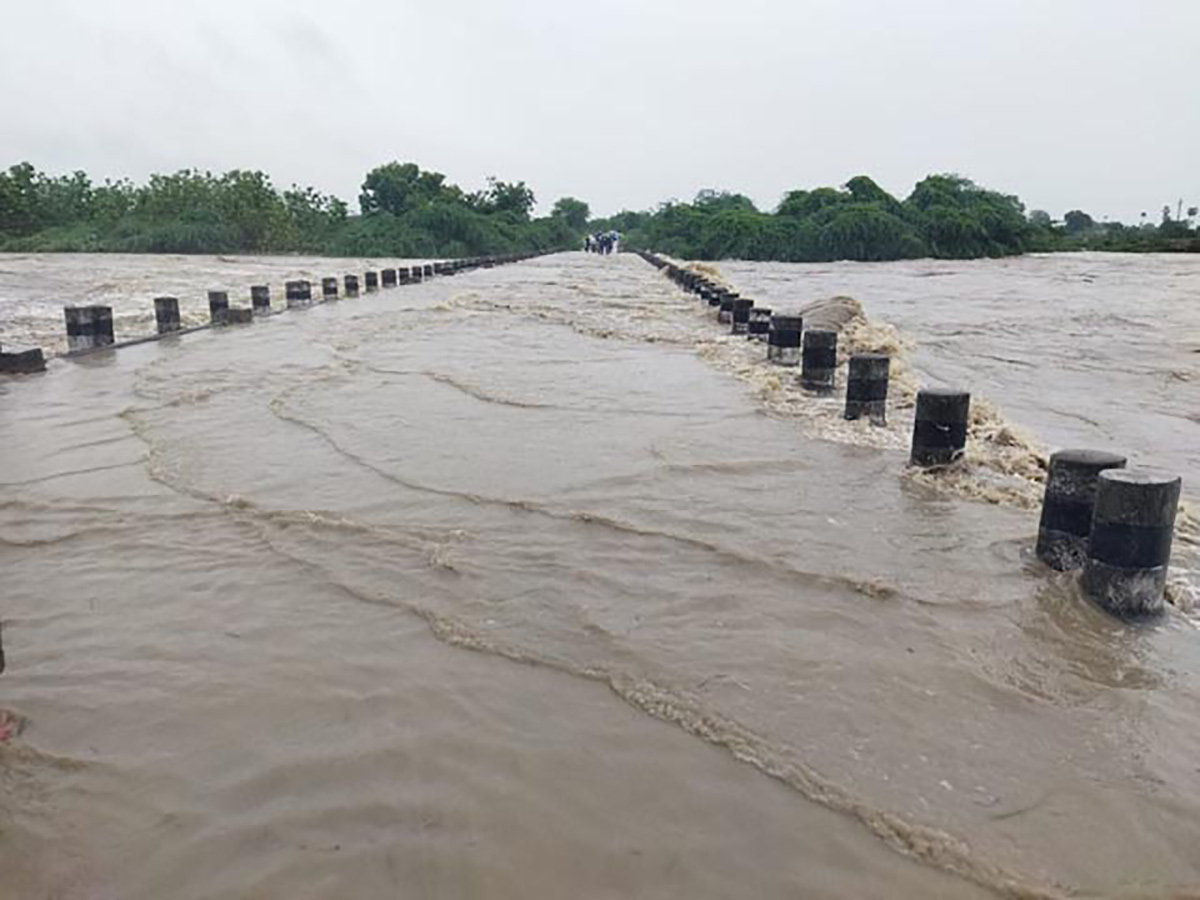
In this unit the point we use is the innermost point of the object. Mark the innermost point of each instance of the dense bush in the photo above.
(945, 216)
(404, 211)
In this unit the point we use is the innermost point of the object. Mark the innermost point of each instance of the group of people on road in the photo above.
(603, 243)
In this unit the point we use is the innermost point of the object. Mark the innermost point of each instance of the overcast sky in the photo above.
(1067, 103)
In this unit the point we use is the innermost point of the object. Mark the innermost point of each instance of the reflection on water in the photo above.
(530, 583)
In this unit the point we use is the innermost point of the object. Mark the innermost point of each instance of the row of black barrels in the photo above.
(91, 327)
(940, 431)
(1114, 524)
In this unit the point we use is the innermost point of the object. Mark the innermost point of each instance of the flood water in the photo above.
(531, 582)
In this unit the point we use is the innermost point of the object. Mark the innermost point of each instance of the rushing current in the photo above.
(533, 582)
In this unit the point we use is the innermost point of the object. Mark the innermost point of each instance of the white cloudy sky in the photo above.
(1068, 103)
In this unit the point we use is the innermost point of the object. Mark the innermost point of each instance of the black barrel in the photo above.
(371, 280)
(415, 271)
(102, 321)
(760, 323)
(260, 298)
(1068, 504)
(741, 315)
(218, 305)
(329, 288)
(351, 282)
(725, 309)
(21, 362)
(166, 314)
(940, 427)
(428, 271)
(820, 361)
(867, 387)
(1130, 544)
(298, 294)
(389, 278)
(783, 341)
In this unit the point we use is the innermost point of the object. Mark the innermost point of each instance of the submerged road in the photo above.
(521, 584)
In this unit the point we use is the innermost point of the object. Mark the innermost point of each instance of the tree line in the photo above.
(404, 210)
(1078, 230)
(946, 216)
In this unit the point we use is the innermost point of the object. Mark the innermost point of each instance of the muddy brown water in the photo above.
(531, 583)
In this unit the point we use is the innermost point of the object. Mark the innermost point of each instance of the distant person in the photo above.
(587, 243)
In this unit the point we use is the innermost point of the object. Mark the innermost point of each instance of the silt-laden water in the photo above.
(530, 583)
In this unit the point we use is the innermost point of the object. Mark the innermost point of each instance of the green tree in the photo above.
(1078, 222)
(801, 204)
(713, 201)
(250, 206)
(398, 188)
(514, 198)
(19, 213)
(575, 213)
(869, 232)
(864, 190)
(960, 220)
